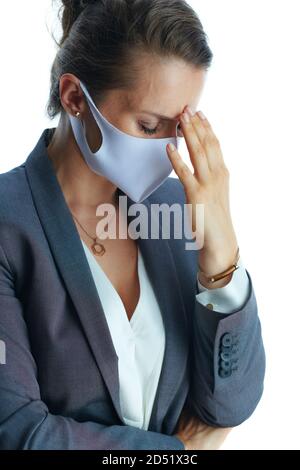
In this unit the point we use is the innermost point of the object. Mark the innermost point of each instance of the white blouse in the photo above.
(139, 343)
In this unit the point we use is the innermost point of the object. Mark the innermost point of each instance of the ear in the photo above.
(71, 95)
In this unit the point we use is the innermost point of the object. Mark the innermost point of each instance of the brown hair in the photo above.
(102, 38)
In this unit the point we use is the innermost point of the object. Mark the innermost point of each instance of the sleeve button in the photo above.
(226, 340)
(225, 365)
(225, 356)
(224, 373)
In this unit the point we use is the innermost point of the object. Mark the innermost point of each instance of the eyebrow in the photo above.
(167, 118)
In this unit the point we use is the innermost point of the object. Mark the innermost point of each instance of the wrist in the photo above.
(216, 270)
(217, 260)
(214, 285)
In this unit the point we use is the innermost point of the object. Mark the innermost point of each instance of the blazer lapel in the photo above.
(67, 250)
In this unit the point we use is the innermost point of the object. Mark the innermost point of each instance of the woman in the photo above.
(123, 342)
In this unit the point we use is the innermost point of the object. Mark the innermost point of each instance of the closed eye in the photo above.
(152, 131)
(147, 130)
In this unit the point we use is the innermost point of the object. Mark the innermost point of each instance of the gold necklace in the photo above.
(97, 248)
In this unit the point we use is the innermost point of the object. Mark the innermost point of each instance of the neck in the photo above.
(82, 187)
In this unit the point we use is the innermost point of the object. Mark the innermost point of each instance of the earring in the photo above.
(77, 114)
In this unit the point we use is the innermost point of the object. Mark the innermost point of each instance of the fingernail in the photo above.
(171, 147)
(201, 115)
(189, 111)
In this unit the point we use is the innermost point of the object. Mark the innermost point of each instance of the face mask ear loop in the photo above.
(91, 107)
(84, 129)
(89, 100)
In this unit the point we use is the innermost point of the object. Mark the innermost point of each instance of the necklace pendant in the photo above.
(98, 249)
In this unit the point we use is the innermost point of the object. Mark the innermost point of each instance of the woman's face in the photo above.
(152, 108)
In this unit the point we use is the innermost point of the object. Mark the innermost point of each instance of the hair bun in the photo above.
(71, 10)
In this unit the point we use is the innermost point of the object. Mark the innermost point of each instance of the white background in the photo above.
(251, 98)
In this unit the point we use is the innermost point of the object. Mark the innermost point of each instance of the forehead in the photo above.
(166, 87)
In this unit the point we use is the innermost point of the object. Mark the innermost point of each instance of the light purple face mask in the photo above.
(138, 166)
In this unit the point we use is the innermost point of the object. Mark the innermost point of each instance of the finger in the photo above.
(181, 169)
(208, 140)
(201, 123)
(195, 148)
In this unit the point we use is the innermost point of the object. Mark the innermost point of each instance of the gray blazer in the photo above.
(59, 386)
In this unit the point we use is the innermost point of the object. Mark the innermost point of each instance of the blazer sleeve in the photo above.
(227, 364)
(25, 420)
